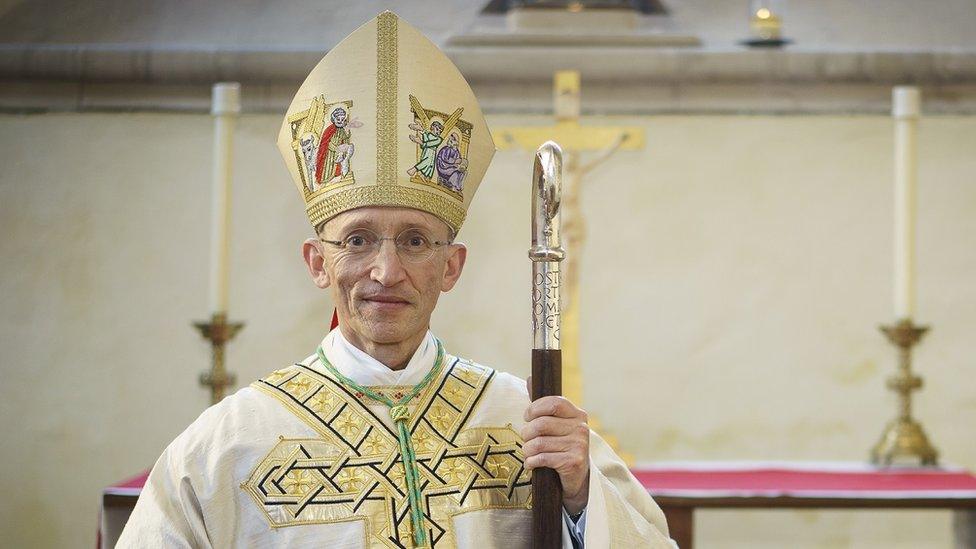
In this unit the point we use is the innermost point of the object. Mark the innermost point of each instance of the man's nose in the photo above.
(387, 266)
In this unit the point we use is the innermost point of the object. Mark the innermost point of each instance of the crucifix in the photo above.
(575, 139)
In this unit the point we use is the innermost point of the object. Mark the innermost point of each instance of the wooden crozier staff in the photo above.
(545, 253)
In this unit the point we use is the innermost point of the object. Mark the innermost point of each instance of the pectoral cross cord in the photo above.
(401, 418)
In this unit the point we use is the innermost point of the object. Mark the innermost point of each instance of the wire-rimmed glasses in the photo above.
(412, 245)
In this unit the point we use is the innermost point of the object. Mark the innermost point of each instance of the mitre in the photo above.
(386, 119)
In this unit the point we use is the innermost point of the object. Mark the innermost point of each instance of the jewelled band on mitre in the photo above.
(386, 195)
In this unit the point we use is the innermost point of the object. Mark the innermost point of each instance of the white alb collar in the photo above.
(355, 364)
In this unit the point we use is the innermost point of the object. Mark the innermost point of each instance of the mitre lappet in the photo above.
(386, 119)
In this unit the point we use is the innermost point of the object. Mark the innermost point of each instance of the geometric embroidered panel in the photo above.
(354, 470)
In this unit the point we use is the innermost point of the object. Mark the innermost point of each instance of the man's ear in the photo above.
(455, 264)
(315, 261)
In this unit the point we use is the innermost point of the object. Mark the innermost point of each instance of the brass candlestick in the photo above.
(218, 331)
(904, 437)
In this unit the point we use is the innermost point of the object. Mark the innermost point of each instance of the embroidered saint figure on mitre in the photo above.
(451, 166)
(335, 148)
(326, 150)
(428, 140)
(345, 450)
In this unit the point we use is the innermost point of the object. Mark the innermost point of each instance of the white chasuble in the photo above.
(300, 460)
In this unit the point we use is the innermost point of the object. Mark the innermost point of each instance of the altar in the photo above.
(681, 488)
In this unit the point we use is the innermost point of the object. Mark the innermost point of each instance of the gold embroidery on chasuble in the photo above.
(354, 470)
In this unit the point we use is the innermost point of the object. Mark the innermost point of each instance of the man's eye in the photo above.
(415, 241)
(357, 241)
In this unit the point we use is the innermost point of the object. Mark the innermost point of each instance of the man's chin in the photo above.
(388, 329)
(387, 335)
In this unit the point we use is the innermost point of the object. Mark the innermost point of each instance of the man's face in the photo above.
(339, 117)
(307, 144)
(383, 299)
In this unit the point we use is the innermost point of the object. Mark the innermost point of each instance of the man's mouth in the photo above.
(386, 299)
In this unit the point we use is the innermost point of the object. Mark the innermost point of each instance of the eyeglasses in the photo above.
(412, 245)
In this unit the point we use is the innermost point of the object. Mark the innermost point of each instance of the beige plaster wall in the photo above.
(733, 278)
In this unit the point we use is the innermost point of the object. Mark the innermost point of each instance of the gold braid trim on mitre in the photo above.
(331, 205)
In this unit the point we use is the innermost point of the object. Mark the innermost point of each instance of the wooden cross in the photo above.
(575, 139)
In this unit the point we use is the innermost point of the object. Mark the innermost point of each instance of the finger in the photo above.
(548, 426)
(555, 406)
(557, 427)
(551, 460)
(550, 444)
(562, 462)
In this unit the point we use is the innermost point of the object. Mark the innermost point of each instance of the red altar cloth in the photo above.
(833, 480)
(767, 479)
(130, 486)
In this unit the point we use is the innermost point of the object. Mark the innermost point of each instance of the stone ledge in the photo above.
(511, 97)
(703, 66)
(615, 80)
(187, 66)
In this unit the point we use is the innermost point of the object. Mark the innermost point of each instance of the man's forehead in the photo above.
(386, 218)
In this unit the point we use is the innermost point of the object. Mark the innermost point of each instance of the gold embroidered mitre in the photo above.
(386, 119)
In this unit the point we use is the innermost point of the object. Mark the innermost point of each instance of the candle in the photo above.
(905, 109)
(765, 20)
(226, 105)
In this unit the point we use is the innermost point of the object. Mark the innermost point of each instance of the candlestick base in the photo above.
(218, 331)
(903, 438)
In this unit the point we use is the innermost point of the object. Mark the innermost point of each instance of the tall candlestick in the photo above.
(225, 107)
(905, 109)
(903, 438)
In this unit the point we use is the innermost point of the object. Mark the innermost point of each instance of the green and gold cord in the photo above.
(401, 418)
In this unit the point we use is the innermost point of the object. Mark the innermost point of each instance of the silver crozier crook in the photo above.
(546, 253)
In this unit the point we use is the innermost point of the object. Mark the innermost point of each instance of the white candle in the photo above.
(905, 109)
(225, 107)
